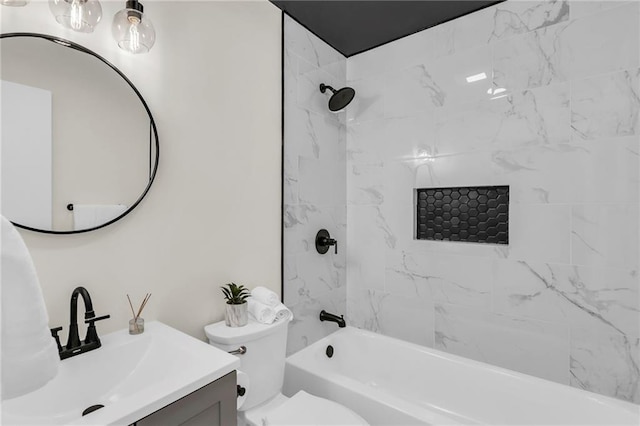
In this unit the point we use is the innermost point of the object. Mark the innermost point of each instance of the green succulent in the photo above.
(235, 294)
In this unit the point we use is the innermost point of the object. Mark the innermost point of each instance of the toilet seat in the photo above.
(305, 409)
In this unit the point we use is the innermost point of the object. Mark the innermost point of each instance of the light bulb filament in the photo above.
(77, 10)
(134, 36)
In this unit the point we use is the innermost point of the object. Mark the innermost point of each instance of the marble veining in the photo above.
(534, 347)
(366, 184)
(499, 22)
(605, 362)
(393, 315)
(602, 170)
(434, 276)
(517, 119)
(414, 89)
(530, 60)
(606, 235)
(571, 50)
(521, 17)
(579, 295)
(606, 105)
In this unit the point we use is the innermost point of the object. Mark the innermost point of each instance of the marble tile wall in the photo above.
(314, 185)
(558, 119)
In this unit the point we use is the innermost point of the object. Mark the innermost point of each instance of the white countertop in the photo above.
(132, 376)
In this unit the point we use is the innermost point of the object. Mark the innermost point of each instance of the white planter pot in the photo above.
(236, 315)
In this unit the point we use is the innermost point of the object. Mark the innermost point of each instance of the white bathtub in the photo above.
(391, 382)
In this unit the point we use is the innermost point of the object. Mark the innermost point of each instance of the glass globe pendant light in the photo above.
(132, 29)
(14, 3)
(79, 15)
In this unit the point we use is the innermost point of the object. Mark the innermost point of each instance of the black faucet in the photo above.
(326, 316)
(74, 346)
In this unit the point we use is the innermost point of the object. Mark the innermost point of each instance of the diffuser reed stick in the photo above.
(144, 303)
(140, 309)
(131, 306)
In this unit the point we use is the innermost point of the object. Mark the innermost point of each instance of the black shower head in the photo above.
(340, 98)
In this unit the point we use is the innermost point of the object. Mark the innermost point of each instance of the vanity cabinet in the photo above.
(211, 405)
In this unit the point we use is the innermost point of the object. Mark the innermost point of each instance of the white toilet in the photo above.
(263, 363)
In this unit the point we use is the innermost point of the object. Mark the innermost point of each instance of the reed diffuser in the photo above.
(136, 324)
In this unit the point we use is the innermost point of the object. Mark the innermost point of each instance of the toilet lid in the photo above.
(305, 409)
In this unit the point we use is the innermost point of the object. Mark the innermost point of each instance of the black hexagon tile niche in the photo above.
(477, 214)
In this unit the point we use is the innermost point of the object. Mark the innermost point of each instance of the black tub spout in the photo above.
(326, 316)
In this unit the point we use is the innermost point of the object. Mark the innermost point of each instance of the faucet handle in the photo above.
(54, 334)
(94, 319)
(92, 334)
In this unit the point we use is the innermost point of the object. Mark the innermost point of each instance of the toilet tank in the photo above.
(265, 357)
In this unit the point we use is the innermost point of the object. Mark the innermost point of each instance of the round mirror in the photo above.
(78, 145)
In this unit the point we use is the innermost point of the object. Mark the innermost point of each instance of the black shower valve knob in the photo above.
(324, 241)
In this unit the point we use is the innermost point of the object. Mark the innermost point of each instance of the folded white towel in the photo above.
(87, 216)
(29, 353)
(261, 312)
(282, 312)
(266, 296)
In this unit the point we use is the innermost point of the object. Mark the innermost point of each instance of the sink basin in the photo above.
(132, 376)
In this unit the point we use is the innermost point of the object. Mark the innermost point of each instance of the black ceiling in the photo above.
(355, 26)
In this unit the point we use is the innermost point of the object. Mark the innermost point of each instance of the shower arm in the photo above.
(324, 87)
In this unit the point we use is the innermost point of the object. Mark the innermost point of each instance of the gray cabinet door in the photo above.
(211, 405)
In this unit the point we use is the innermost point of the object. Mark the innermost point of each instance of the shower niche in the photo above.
(477, 214)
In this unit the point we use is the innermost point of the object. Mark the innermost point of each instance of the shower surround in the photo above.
(553, 113)
(314, 185)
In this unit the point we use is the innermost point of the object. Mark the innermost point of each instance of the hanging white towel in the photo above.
(266, 296)
(29, 354)
(87, 216)
(283, 313)
(261, 312)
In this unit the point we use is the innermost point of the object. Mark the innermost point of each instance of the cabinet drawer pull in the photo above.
(241, 391)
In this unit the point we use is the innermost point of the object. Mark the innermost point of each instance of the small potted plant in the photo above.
(236, 312)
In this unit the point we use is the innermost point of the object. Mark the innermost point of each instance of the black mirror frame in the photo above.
(152, 123)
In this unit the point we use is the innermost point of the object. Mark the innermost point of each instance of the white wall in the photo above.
(213, 83)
